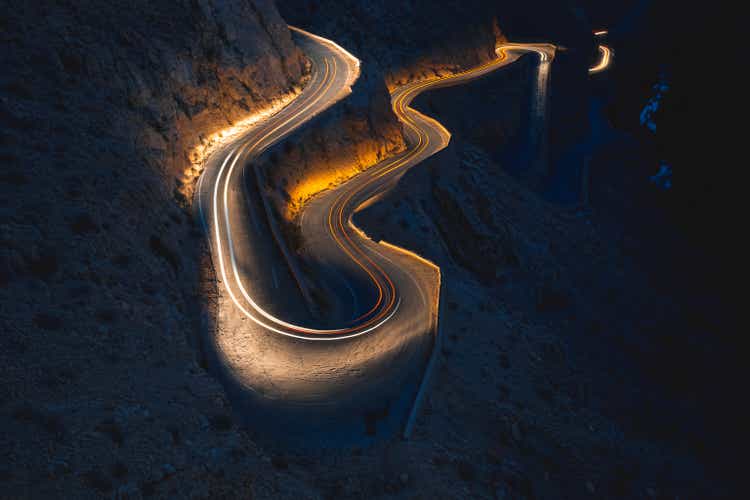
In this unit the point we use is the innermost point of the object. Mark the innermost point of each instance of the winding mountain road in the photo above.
(278, 365)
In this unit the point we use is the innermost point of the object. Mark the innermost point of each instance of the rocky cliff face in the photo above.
(395, 46)
(559, 315)
(353, 135)
(501, 114)
(404, 41)
(103, 106)
(407, 41)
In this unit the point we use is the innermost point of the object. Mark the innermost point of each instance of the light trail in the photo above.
(604, 61)
(403, 96)
(319, 95)
(291, 330)
(273, 363)
(546, 53)
(605, 55)
(264, 318)
(341, 51)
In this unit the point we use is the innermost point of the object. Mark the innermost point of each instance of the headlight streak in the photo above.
(336, 48)
(222, 267)
(387, 303)
(297, 331)
(606, 54)
(604, 62)
(400, 106)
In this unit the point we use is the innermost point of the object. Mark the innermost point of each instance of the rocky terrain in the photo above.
(411, 40)
(396, 45)
(396, 38)
(362, 130)
(346, 139)
(102, 106)
(569, 368)
(553, 332)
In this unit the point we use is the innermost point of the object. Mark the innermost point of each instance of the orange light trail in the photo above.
(386, 304)
(604, 61)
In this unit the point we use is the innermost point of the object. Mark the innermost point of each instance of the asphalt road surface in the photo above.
(356, 372)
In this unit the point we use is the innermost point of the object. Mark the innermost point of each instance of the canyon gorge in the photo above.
(581, 354)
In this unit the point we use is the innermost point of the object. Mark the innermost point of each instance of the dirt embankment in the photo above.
(101, 106)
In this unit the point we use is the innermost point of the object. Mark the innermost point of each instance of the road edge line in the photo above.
(436, 341)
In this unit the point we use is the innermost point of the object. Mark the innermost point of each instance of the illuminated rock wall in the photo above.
(354, 134)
